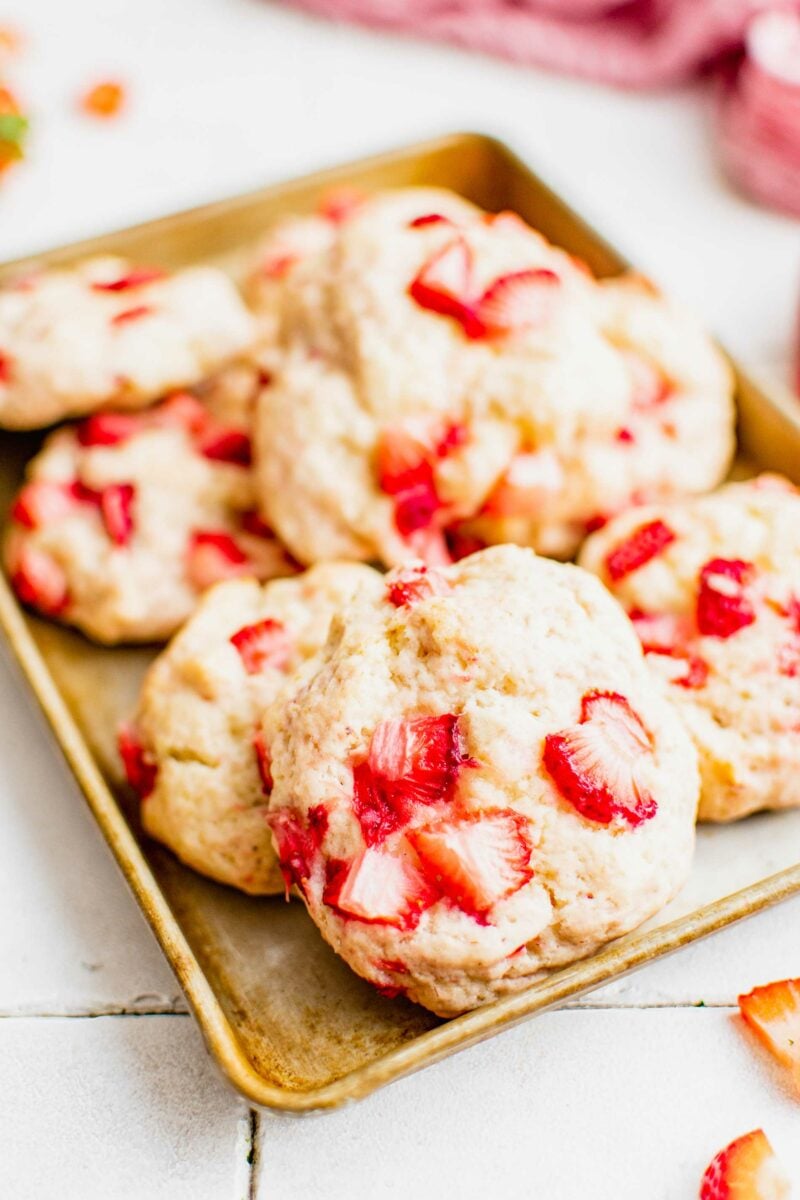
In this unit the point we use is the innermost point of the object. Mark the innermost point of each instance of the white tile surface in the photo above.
(124, 1108)
(602, 1105)
(606, 1104)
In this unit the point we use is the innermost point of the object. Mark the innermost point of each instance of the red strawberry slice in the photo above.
(138, 277)
(476, 860)
(661, 633)
(403, 453)
(408, 585)
(429, 219)
(6, 369)
(649, 387)
(229, 446)
(295, 846)
(460, 543)
(416, 508)
(43, 503)
(773, 1013)
(213, 556)
(263, 644)
(40, 581)
(140, 770)
(697, 672)
(747, 1169)
(530, 481)
(129, 315)
(723, 606)
(644, 544)
(380, 887)
(253, 523)
(183, 410)
(263, 761)
(597, 765)
(520, 300)
(116, 509)
(107, 429)
(411, 761)
(443, 282)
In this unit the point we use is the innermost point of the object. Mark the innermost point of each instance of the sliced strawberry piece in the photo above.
(429, 219)
(597, 764)
(132, 314)
(402, 456)
(521, 300)
(416, 508)
(43, 503)
(723, 606)
(140, 770)
(529, 482)
(461, 544)
(228, 445)
(183, 410)
(263, 761)
(340, 204)
(747, 1169)
(6, 369)
(40, 581)
(443, 282)
(697, 671)
(253, 523)
(773, 1013)
(407, 585)
(380, 887)
(410, 762)
(649, 387)
(107, 429)
(644, 544)
(116, 509)
(264, 644)
(295, 846)
(138, 277)
(661, 633)
(212, 556)
(430, 547)
(476, 860)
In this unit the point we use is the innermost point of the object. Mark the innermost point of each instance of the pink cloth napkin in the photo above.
(640, 44)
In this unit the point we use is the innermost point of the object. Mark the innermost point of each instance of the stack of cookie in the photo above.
(467, 768)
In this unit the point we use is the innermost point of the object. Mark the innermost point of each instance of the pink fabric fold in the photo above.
(638, 43)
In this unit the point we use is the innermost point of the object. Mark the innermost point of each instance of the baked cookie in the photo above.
(191, 752)
(126, 518)
(447, 379)
(479, 779)
(713, 588)
(108, 334)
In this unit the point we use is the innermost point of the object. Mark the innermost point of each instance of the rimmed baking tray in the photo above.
(290, 1025)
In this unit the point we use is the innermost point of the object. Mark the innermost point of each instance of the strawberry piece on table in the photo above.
(723, 606)
(747, 1169)
(213, 556)
(140, 771)
(116, 505)
(263, 644)
(644, 544)
(597, 765)
(773, 1013)
(380, 887)
(476, 860)
(40, 581)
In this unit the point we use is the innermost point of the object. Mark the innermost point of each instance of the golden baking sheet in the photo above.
(289, 1024)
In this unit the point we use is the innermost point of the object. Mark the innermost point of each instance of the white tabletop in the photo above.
(105, 1088)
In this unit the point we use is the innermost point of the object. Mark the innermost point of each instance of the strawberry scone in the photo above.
(108, 334)
(193, 752)
(712, 586)
(447, 379)
(479, 779)
(126, 518)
